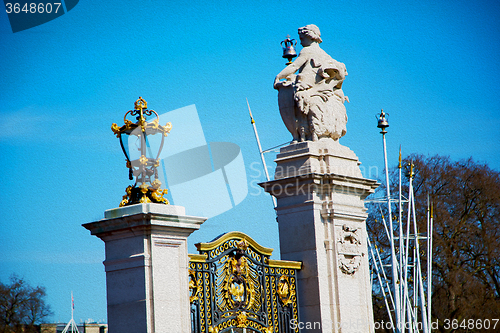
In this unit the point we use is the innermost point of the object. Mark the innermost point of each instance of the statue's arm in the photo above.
(290, 69)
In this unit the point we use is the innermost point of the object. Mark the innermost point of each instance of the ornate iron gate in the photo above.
(235, 287)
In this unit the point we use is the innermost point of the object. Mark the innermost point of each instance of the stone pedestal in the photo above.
(147, 267)
(320, 193)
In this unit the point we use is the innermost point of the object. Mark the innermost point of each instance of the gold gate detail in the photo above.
(235, 287)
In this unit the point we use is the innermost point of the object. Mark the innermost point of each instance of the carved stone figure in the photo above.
(349, 249)
(312, 102)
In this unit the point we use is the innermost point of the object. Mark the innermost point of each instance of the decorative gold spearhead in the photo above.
(399, 165)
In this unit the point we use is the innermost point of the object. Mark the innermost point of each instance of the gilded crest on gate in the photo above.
(285, 290)
(236, 287)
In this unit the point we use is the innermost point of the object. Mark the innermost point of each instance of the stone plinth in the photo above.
(320, 157)
(147, 267)
(321, 214)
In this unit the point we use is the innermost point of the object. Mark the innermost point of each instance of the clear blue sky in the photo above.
(432, 65)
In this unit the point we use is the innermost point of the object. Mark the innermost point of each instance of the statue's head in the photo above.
(311, 31)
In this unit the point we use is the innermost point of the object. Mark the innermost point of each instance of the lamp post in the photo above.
(142, 143)
(383, 124)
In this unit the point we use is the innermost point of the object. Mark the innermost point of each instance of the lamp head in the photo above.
(142, 142)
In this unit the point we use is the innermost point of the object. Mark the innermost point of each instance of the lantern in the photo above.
(142, 142)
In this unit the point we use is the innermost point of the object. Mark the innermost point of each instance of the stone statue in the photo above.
(312, 102)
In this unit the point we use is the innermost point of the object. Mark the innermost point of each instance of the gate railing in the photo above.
(235, 287)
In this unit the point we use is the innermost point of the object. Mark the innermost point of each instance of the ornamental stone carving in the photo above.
(311, 102)
(349, 249)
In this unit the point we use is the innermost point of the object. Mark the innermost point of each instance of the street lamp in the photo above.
(142, 142)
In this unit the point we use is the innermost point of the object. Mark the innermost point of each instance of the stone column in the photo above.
(147, 267)
(321, 216)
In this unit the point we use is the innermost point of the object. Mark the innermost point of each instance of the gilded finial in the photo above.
(399, 166)
(251, 117)
(140, 104)
(411, 169)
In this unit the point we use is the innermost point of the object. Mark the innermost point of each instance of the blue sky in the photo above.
(432, 65)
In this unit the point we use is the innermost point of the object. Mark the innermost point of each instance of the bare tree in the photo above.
(466, 261)
(21, 306)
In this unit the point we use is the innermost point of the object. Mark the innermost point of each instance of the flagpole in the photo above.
(383, 124)
(419, 266)
(260, 150)
(429, 270)
(401, 235)
(370, 247)
(71, 326)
